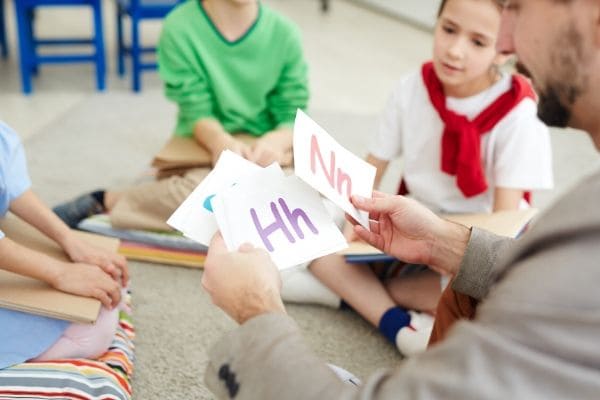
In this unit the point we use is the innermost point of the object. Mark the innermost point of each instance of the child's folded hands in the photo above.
(86, 280)
(113, 264)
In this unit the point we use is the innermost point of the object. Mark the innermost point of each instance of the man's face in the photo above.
(552, 42)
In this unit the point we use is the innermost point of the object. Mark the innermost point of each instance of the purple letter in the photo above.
(293, 218)
(265, 232)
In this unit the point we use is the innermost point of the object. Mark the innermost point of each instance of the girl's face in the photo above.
(465, 46)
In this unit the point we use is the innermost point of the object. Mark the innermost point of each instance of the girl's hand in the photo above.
(87, 280)
(113, 264)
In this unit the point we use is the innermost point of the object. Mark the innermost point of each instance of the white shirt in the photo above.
(515, 154)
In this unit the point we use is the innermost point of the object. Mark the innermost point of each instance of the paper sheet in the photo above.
(194, 217)
(282, 215)
(330, 168)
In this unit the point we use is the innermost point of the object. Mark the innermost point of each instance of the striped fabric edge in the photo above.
(108, 378)
(142, 252)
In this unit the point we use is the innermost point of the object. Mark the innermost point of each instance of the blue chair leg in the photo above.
(99, 44)
(120, 42)
(3, 39)
(30, 14)
(25, 46)
(135, 52)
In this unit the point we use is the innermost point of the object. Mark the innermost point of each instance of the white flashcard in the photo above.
(195, 217)
(330, 168)
(284, 216)
(250, 182)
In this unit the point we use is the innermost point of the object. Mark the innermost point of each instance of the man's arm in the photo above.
(475, 273)
(531, 328)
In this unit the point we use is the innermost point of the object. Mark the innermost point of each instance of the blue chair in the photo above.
(138, 10)
(30, 59)
(3, 42)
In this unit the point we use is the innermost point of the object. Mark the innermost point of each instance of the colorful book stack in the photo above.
(160, 247)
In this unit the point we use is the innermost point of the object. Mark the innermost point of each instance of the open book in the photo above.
(505, 223)
(30, 295)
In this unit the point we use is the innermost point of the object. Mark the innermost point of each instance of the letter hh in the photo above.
(264, 233)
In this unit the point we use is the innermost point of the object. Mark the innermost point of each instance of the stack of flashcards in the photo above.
(285, 215)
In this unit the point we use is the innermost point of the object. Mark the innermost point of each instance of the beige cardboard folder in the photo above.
(182, 153)
(505, 223)
(30, 295)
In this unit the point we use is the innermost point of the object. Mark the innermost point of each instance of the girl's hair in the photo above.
(498, 3)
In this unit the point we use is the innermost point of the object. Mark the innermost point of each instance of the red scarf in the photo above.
(461, 153)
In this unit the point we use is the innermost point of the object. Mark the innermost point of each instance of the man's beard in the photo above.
(557, 97)
(551, 109)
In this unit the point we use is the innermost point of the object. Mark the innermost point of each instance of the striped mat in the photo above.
(108, 378)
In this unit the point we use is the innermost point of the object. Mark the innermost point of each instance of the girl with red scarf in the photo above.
(470, 142)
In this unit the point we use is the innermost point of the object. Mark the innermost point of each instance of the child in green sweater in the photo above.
(232, 67)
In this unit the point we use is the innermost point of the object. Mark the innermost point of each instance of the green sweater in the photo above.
(252, 85)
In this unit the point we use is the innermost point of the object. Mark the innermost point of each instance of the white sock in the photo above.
(413, 339)
(299, 285)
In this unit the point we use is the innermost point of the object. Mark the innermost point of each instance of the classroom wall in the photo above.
(421, 13)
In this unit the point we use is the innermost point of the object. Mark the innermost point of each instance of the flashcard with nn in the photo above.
(330, 168)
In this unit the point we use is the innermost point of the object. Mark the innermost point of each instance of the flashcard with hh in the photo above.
(330, 168)
(249, 183)
(195, 217)
(284, 216)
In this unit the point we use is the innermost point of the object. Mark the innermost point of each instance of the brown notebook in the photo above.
(505, 223)
(182, 153)
(30, 295)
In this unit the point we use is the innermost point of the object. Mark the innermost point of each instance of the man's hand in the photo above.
(244, 283)
(412, 233)
(349, 234)
(113, 264)
(86, 280)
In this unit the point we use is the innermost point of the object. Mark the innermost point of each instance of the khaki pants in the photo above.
(453, 306)
(149, 205)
